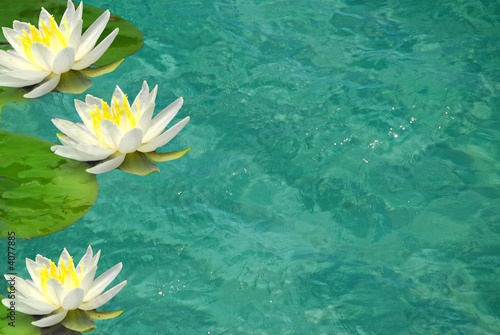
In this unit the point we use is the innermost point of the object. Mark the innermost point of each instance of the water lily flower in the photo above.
(118, 135)
(64, 293)
(54, 56)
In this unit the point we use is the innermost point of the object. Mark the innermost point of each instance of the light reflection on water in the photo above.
(343, 176)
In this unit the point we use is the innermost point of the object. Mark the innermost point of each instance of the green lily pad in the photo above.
(128, 41)
(40, 192)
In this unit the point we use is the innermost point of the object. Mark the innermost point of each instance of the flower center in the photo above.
(120, 114)
(66, 275)
(50, 36)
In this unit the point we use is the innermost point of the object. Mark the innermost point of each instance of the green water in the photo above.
(344, 175)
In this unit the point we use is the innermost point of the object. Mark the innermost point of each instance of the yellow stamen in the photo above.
(44, 36)
(59, 273)
(114, 113)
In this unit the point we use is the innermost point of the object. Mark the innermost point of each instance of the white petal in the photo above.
(52, 319)
(73, 299)
(45, 17)
(86, 259)
(83, 110)
(91, 101)
(68, 14)
(13, 61)
(145, 117)
(102, 299)
(88, 278)
(142, 95)
(45, 87)
(111, 133)
(26, 289)
(161, 120)
(95, 54)
(64, 60)
(56, 290)
(107, 165)
(28, 75)
(41, 261)
(91, 35)
(75, 35)
(20, 26)
(118, 95)
(165, 137)
(43, 55)
(32, 269)
(73, 152)
(64, 258)
(130, 141)
(11, 36)
(100, 284)
(32, 306)
(9, 81)
(75, 132)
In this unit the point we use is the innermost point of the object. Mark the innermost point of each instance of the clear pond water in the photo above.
(344, 175)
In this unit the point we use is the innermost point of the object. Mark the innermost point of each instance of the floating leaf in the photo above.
(128, 41)
(40, 192)
(8, 94)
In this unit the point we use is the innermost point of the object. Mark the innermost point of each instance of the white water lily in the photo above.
(118, 135)
(43, 55)
(64, 293)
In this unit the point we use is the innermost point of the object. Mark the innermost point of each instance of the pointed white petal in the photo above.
(145, 117)
(9, 81)
(33, 306)
(82, 152)
(83, 111)
(43, 55)
(68, 14)
(45, 17)
(100, 284)
(11, 36)
(45, 87)
(75, 34)
(28, 75)
(91, 35)
(64, 60)
(95, 54)
(130, 141)
(73, 299)
(77, 133)
(111, 132)
(162, 120)
(107, 165)
(13, 61)
(88, 278)
(26, 289)
(56, 290)
(52, 319)
(142, 95)
(118, 95)
(32, 269)
(104, 298)
(165, 137)
(64, 258)
(86, 259)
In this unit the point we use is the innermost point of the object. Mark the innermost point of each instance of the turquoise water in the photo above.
(344, 175)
